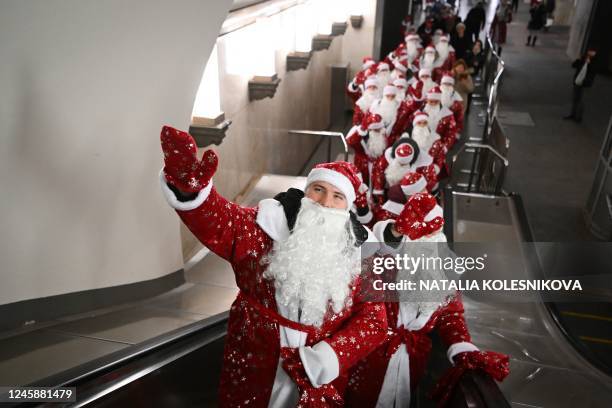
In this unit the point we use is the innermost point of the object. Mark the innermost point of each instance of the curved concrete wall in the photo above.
(86, 86)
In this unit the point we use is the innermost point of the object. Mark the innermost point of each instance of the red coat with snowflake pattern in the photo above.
(367, 377)
(252, 345)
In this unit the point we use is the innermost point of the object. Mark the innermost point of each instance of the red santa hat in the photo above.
(383, 66)
(435, 94)
(400, 82)
(371, 81)
(404, 153)
(389, 90)
(369, 122)
(342, 175)
(447, 79)
(412, 37)
(413, 183)
(423, 216)
(424, 71)
(367, 63)
(419, 116)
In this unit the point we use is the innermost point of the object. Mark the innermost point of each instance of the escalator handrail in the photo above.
(118, 358)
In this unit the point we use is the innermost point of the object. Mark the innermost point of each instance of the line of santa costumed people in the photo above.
(407, 116)
(304, 330)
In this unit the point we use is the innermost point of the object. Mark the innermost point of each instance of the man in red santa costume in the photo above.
(428, 58)
(430, 142)
(402, 158)
(407, 106)
(356, 87)
(451, 99)
(388, 376)
(441, 119)
(383, 74)
(387, 107)
(369, 141)
(370, 94)
(419, 89)
(399, 70)
(446, 57)
(297, 326)
(413, 51)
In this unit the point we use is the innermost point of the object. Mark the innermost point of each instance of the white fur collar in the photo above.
(272, 219)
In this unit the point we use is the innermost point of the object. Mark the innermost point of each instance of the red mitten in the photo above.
(411, 221)
(361, 201)
(496, 365)
(181, 165)
(326, 396)
(360, 78)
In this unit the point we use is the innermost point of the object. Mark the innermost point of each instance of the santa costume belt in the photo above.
(416, 342)
(273, 316)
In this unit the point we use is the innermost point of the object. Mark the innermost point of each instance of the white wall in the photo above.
(85, 87)
(359, 42)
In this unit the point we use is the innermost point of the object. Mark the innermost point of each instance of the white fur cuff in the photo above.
(183, 205)
(320, 363)
(460, 347)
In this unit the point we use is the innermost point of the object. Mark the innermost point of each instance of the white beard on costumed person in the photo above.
(447, 96)
(386, 109)
(411, 50)
(423, 137)
(426, 301)
(384, 77)
(377, 143)
(366, 100)
(395, 171)
(428, 60)
(432, 110)
(442, 49)
(314, 268)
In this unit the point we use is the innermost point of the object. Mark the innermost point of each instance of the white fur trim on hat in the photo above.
(433, 213)
(400, 67)
(367, 64)
(334, 178)
(400, 82)
(430, 49)
(419, 118)
(434, 96)
(382, 65)
(424, 71)
(446, 79)
(389, 90)
(371, 82)
(414, 188)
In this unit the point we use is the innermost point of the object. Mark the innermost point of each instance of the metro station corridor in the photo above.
(139, 313)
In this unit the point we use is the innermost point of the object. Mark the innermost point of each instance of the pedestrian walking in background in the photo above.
(463, 83)
(499, 26)
(583, 78)
(550, 14)
(536, 22)
(475, 21)
(515, 4)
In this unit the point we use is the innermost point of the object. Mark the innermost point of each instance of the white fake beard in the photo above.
(395, 172)
(432, 110)
(428, 86)
(428, 61)
(377, 143)
(366, 100)
(383, 78)
(411, 50)
(447, 97)
(422, 136)
(386, 109)
(314, 268)
(400, 96)
(424, 301)
(442, 49)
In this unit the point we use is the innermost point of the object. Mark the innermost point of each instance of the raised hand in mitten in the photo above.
(420, 216)
(182, 168)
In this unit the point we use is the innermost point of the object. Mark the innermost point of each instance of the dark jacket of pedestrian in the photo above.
(475, 20)
(538, 17)
(461, 44)
(587, 82)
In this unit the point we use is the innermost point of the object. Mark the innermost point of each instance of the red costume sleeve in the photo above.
(451, 324)
(378, 175)
(357, 115)
(361, 334)
(447, 129)
(226, 228)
